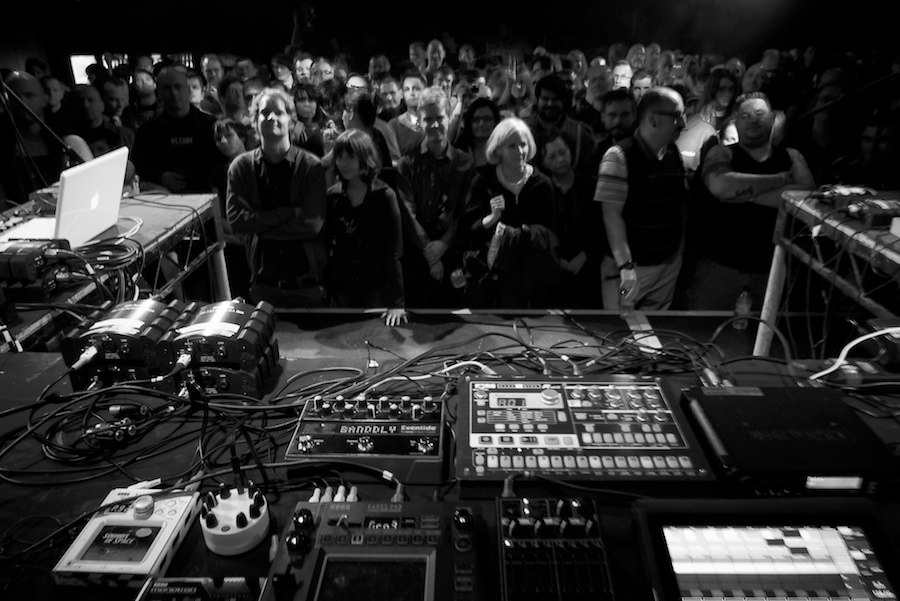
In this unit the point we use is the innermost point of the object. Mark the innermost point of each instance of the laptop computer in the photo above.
(87, 205)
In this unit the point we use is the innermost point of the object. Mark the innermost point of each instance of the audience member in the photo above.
(477, 124)
(94, 127)
(231, 140)
(276, 204)
(579, 226)
(550, 117)
(30, 156)
(745, 182)
(510, 248)
(406, 125)
(175, 149)
(432, 185)
(363, 232)
(641, 183)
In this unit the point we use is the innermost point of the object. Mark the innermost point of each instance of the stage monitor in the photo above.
(760, 550)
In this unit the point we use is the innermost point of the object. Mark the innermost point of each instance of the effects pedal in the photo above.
(133, 537)
(402, 434)
(234, 520)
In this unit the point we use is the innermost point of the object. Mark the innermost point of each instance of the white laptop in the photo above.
(87, 205)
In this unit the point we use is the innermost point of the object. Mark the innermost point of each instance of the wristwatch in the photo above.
(626, 265)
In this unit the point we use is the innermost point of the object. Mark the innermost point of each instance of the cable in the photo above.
(844, 351)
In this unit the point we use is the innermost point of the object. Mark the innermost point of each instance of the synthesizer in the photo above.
(615, 428)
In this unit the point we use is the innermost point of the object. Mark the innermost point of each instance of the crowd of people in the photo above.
(642, 177)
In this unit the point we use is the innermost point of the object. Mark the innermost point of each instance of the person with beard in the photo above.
(549, 117)
(641, 183)
(618, 114)
(744, 183)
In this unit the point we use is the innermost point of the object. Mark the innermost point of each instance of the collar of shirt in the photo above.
(447, 154)
(645, 148)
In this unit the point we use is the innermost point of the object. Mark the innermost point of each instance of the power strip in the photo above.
(234, 520)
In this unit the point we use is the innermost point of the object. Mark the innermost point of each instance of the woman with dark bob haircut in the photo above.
(363, 232)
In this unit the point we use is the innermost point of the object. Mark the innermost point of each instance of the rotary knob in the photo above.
(143, 507)
(365, 444)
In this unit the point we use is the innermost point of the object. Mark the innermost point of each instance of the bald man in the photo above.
(176, 149)
(35, 158)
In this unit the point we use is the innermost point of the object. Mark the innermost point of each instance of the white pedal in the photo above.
(234, 521)
(134, 537)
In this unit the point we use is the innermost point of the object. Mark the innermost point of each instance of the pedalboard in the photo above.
(401, 434)
(383, 550)
(618, 428)
(133, 537)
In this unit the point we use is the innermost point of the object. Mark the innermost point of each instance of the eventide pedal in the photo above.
(134, 536)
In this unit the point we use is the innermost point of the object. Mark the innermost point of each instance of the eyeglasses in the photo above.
(674, 114)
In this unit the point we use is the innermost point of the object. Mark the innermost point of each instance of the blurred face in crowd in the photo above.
(754, 121)
(483, 123)
(274, 119)
(213, 71)
(174, 93)
(622, 76)
(389, 92)
(412, 88)
(305, 106)
(618, 118)
(549, 106)
(639, 87)
(320, 71)
(348, 165)
(557, 156)
(88, 105)
(302, 68)
(116, 98)
(513, 152)
(55, 91)
(435, 122)
(228, 142)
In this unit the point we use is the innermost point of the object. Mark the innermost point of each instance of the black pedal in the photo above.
(401, 434)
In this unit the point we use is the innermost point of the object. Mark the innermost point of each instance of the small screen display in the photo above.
(121, 543)
(383, 523)
(375, 579)
(782, 561)
(507, 401)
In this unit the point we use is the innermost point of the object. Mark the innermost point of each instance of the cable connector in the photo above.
(508, 491)
(316, 496)
(340, 495)
(352, 495)
(327, 495)
(86, 357)
(399, 493)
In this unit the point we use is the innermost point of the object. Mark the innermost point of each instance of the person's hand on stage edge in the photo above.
(394, 317)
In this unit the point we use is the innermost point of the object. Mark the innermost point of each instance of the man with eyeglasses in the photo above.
(641, 183)
(741, 192)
